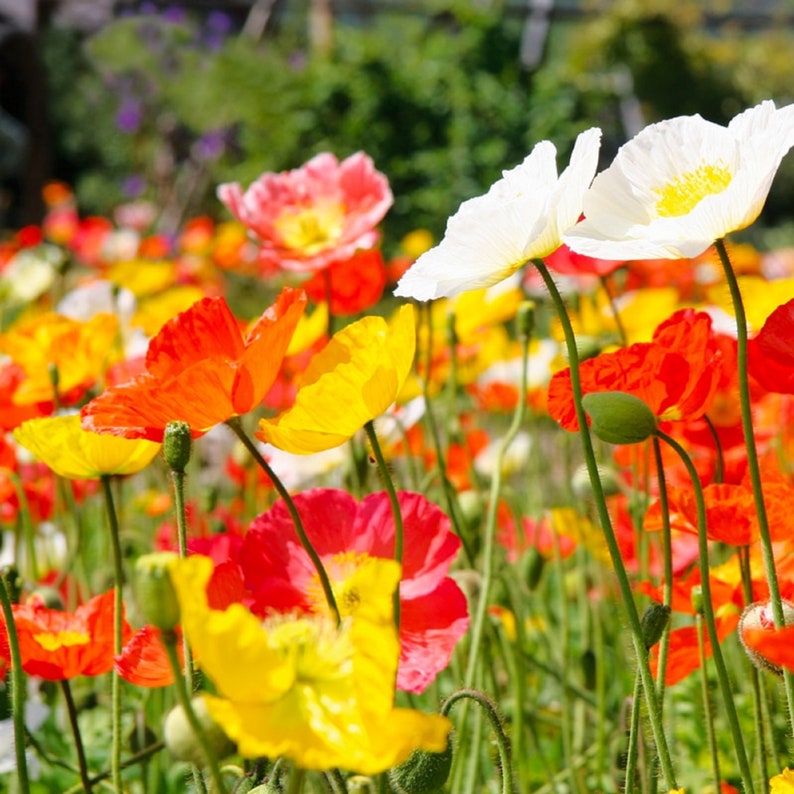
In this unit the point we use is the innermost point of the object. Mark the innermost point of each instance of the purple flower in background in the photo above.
(129, 115)
(210, 146)
(133, 186)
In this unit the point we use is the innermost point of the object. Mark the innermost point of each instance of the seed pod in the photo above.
(423, 772)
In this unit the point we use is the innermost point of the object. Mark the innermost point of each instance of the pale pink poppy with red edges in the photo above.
(433, 610)
(310, 217)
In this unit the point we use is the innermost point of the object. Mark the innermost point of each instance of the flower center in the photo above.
(340, 568)
(311, 229)
(61, 639)
(683, 193)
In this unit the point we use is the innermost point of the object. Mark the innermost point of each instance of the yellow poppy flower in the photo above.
(79, 351)
(303, 687)
(77, 454)
(351, 381)
(782, 783)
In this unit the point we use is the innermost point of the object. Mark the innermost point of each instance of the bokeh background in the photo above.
(157, 102)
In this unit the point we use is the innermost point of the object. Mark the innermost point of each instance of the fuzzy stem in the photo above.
(619, 567)
(71, 711)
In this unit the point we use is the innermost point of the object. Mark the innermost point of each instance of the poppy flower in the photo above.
(522, 216)
(77, 454)
(683, 183)
(144, 662)
(675, 375)
(346, 533)
(355, 283)
(303, 686)
(350, 382)
(308, 218)
(782, 783)
(200, 369)
(78, 351)
(57, 645)
(771, 352)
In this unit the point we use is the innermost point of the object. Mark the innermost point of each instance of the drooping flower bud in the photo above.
(177, 445)
(423, 772)
(619, 418)
(654, 622)
(583, 487)
(181, 741)
(154, 592)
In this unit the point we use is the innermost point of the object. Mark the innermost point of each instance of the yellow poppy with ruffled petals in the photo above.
(782, 783)
(77, 454)
(351, 381)
(304, 687)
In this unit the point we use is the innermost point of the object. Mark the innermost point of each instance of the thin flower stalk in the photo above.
(82, 764)
(236, 425)
(708, 709)
(17, 689)
(708, 616)
(752, 459)
(618, 565)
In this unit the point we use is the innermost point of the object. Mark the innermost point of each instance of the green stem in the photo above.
(634, 735)
(708, 614)
(17, 688)
(624, 584)
(753, 466)
(492, 713)
(183, 697)
(296, 780)
(71, 711)
(707, 707)
(236, 426)
(399, 530)
(489, 541)
(118, 616)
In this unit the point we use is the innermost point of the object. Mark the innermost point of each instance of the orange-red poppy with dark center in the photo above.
(200, 369)
(676, 374)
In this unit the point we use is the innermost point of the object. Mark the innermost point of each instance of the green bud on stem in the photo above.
(619, 418)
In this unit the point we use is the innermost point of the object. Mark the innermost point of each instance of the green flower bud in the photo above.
(48, 597)
(653, 623)
(12, 581)
(696, 597)
(182, 742)
(525, 319)
(154, 592)
(177, 444)
(423, 772)
(619, 418)
(531, 566)
(583, 488)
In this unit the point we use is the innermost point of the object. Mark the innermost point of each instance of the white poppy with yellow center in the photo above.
(683, 183)
(521, 217)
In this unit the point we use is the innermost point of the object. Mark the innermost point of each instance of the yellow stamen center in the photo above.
(311, 229)
(61, 639)
(683, 193)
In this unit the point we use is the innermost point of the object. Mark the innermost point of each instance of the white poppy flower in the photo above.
(522, 216)
(683, 183)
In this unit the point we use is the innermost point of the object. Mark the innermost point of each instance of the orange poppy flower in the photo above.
(199, 369)
(676, 374)
(144, 661)
(56, 645)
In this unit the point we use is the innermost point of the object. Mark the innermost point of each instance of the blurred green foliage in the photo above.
(440, 101)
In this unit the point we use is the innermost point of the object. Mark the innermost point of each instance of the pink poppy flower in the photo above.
(433, 609)
(306, 219)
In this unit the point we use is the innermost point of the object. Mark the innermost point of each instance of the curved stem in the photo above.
(71, 711)
(492, 713)
(183, 697)
(17, 688)
(399, 530)
(236, 426)
(118, 607)
(489, 541)
(753, 467)
(708, 614)
(640, 651)
(707, 706)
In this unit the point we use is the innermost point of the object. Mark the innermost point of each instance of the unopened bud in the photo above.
(177, 445)
(12, 581)
(47, 597)
(583, 487)
(154, 591)
(423, 772)
(759, 615)
(653, 623)
(619, 418)
(182, 742)
(525, 319)
(696, 597)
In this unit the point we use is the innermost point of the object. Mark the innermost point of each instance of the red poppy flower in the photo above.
(200, 369)
(144, 661)
(568, 262)
(56, 645)
(433, 610)
(356, 283)
(676, 374)
(776, 646)
(771, 352)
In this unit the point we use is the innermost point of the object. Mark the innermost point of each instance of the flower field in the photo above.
(510, 511)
